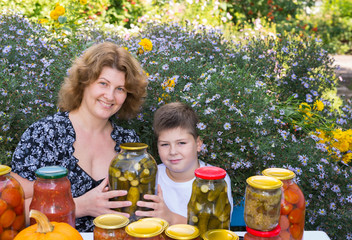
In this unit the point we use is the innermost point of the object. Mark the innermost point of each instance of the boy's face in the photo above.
(178, 150)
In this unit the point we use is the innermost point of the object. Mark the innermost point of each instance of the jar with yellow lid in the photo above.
(209, 206)
(293, 205)
(163, 222)
(12, 215)
(144, 230)
(220, 234)
(262, 202)
(182, 231)
(110, 226)
(252, 234)
(134, 170)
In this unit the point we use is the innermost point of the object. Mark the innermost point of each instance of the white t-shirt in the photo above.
(177, 194)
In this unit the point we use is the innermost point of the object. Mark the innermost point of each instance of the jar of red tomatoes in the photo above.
(293, 205)
(263, 235)
(182, 231)
(220, 234)
(110, 226)
(52, 195)
(144, 230)
(12, 217)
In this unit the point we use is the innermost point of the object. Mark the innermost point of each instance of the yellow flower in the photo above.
(304, 107)
(83, 1)
(54, 15)
(60, 10)
(146, 44)
(43, 20)
(318, 105)
(347, 158)
(140, 51)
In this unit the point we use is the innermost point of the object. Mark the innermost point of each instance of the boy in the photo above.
(175, 128)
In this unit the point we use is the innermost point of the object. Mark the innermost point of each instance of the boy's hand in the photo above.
(160, 210)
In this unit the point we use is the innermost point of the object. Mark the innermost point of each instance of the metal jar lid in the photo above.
(111, 221)
(4, 169)
(51, 172)
(133, 146)
(279, 173)
(182, 231)
(264, 182)
(163, 222)
(222, 234)
(144, 229)
(210, 173)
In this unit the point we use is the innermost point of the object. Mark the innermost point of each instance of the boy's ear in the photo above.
(199, 144)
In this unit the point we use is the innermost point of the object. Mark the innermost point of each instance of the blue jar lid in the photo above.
(51, 172)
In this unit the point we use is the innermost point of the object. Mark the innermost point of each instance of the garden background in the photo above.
(259, 74)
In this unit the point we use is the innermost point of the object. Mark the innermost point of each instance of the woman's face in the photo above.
(104, 97)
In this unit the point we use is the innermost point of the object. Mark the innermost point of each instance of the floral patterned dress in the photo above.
(50, 142)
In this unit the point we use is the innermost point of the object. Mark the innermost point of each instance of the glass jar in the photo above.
(209, 206)
(12, 215)
(52, 195)
(293, 207)
(134, 170)
(144, 230)
(220, 234)
(182, 231)
(110, 227)
(259, 235)
(262, 203)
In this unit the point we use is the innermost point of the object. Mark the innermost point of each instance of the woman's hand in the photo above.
(160, 209)
(96, 202)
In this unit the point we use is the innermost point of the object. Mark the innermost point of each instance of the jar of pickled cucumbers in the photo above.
(110, 227)
(209, 206)
(134, 170)
(144, 230)
(220, 234)
(12, 215)
(260, 235)
(182, 231)
(293, 205)
(262, 203)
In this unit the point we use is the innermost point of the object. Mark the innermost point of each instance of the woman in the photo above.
(105, 81)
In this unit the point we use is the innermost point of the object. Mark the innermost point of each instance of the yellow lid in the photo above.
(221, 234)
(279, 173)
(144, 229)
(4, 169)
(163, 222)
(133, 146)
(182, 231)
(264, 182)
(111, 221)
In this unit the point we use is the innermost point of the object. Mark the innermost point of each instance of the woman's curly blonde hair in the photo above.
(87, 68)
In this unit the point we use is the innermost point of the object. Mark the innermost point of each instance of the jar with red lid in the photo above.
(52, 195)
(144, 230)
(182, 231)
(110, 227)
(260, 235)
(12, 215)
(262, 203)
(209, 206)
(293, 205)
(220, 234)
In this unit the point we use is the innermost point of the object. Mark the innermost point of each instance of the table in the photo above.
(308, 235)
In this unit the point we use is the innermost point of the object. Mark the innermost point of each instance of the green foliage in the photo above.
(125, 13)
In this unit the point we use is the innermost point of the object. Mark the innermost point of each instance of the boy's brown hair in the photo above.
(174, 115)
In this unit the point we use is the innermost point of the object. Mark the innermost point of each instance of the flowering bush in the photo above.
(253, 113)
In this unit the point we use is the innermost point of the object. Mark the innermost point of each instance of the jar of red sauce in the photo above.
(182, 231)
(52, 195)
(293, 205)
(263, 235)
(110, 227)
(12, 216)
(144, 230)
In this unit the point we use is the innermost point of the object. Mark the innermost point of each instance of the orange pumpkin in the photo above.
(46, 230)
